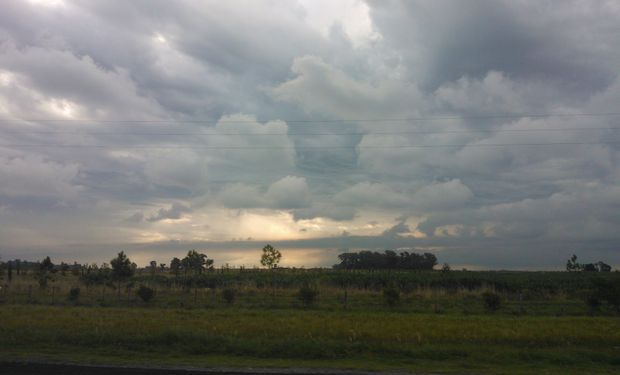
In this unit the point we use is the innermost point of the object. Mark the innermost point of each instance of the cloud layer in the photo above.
(162, 126)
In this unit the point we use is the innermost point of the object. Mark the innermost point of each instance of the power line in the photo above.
(404, 119)
(308, 147)
(448, 131)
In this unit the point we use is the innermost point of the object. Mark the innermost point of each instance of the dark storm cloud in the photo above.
(566, 43)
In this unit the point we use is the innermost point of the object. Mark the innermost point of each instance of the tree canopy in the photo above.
(196, 262)
(271, 257)
(121, 267)
(389, 259)
(572, 265)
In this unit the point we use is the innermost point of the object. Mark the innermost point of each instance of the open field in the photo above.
(309, 338)
(439, 323)
(454, 292)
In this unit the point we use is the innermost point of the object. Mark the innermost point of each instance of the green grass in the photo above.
(313, 338)
(421, 299)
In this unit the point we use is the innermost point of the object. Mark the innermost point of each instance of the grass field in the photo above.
(343, 339)
(440, 323)
(456, 292)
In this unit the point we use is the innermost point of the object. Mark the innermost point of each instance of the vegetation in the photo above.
(421, 342)
(121, 270)
(492, 301)
(74, 294)
(424, 320)
(229, 295)
(572, 265)
(391, 296)
(195, 262)
(271, 257)
(145, 293)
(367, 260)
(307, 295)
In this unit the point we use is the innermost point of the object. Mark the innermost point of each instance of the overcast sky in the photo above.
(156, 127)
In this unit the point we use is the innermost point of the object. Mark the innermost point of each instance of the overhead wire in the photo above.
(448, 131)
(385, 119)
(310, 147)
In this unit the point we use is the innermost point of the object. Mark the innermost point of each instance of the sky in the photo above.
(486, 131)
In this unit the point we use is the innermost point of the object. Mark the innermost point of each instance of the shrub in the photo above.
(608, 291)
(492, 301)
(307, 295)
(43, 279)
(145, 293)
(229, 295)
(593, 302)
(74, 294)
(391, 296)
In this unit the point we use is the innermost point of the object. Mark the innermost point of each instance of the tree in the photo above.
(572, 264)
(45, 268)
(271, 257)
(196, 262)
(603, 267)
(46, 265)
(121, 269)
(389, 259)
(64, 267)
(175, 266)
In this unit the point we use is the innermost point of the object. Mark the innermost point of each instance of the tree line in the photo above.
(572, 265)
(389, 259)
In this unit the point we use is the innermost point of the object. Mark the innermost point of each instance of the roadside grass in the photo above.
(375, 340)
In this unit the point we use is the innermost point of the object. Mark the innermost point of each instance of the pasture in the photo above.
(438, 321)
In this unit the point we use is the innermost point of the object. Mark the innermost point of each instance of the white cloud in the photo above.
(321, 89)
(442, 195)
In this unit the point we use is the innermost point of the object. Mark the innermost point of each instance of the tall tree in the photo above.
(271, 257)
(46, 265)
(197, 262)
(121, 270)
(175, 266)
(572, 264)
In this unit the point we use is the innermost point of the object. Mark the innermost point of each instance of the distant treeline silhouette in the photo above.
(389, 259)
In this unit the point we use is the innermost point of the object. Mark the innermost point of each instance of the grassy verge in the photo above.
(302, 338)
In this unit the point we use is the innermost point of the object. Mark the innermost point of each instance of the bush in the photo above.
(492, 301)
(145, 293)
(74, 294)
(307, 295)
(43, 279)
(229, 295)
(608, 291)
(593, 302)
(391, 296)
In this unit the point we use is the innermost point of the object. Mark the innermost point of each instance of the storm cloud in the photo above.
(485, 131)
